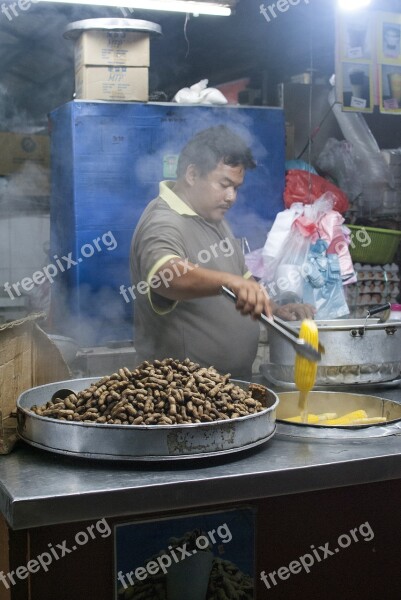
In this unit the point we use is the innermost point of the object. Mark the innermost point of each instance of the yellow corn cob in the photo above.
(322, 418)
(311, 419)
(326, 416)
(305, 370)
(348, 418)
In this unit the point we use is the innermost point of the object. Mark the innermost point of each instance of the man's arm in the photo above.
(189, 281)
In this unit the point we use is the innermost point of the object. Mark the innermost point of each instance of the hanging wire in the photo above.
(187, 17)
(310, 99)
(316, 130)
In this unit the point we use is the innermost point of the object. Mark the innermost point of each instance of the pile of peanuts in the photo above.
(164, 392)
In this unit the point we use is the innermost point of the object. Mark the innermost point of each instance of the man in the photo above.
(183, 251)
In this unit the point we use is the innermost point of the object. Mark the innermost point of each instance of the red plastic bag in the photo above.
(301, 186)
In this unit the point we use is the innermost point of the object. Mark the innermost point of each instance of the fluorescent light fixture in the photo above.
(185, 6)
(353, 4)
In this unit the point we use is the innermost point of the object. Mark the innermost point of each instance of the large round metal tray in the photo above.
(341, 403)
(139, 442)
(74, 30)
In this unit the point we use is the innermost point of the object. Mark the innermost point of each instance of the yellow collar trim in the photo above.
(174, 201)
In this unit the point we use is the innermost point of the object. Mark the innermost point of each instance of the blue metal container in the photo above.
(107, 161)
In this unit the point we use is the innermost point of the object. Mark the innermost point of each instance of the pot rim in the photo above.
(350, 324)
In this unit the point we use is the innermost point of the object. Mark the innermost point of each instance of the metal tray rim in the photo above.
(139, 427)
(343, 325)
(74, 30)
(140, 442)
(150, 458)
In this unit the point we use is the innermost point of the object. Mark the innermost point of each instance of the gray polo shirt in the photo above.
(209, 330)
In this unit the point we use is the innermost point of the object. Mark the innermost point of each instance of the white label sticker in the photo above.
(358, 102)
(355, 52)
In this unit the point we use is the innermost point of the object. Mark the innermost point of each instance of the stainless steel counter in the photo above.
(38, 488)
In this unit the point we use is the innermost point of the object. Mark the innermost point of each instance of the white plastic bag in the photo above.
(254, 262)
(371, 162)
(302, 270)
(199, 93)
(277, 237)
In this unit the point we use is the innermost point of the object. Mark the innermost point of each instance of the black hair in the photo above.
(211, 146)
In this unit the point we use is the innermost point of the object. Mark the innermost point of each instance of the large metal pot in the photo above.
(355, 352)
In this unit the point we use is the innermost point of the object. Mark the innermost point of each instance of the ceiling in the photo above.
(37, 62)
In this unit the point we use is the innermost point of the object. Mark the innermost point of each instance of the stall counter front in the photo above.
(305, 496)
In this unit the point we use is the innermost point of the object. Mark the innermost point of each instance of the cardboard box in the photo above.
(112, 83)
(27, 359)
(112, 48)
(18, 148)
(5, 594)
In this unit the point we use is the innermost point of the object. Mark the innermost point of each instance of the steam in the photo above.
(21, 189)
(39, 79)
(189, 121)
(24, 239)
(24, 106)
(108, 324)
(13, 118)
(42, 60)
(242, 219)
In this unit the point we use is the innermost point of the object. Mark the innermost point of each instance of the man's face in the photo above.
(213, 194)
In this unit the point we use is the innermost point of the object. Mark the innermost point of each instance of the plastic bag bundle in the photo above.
(199, 93)
(301, 266)
(323, 285)
(366, 150)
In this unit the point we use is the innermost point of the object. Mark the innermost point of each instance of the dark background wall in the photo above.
(37, 62)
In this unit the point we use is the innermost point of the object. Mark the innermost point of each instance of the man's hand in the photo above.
(294, 312)
(252, 298)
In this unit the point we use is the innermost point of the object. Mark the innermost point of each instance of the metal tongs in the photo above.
(290, 334)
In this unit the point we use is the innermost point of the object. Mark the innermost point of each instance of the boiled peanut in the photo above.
(163, 392)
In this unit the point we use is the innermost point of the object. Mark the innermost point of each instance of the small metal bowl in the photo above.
(340, 403)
